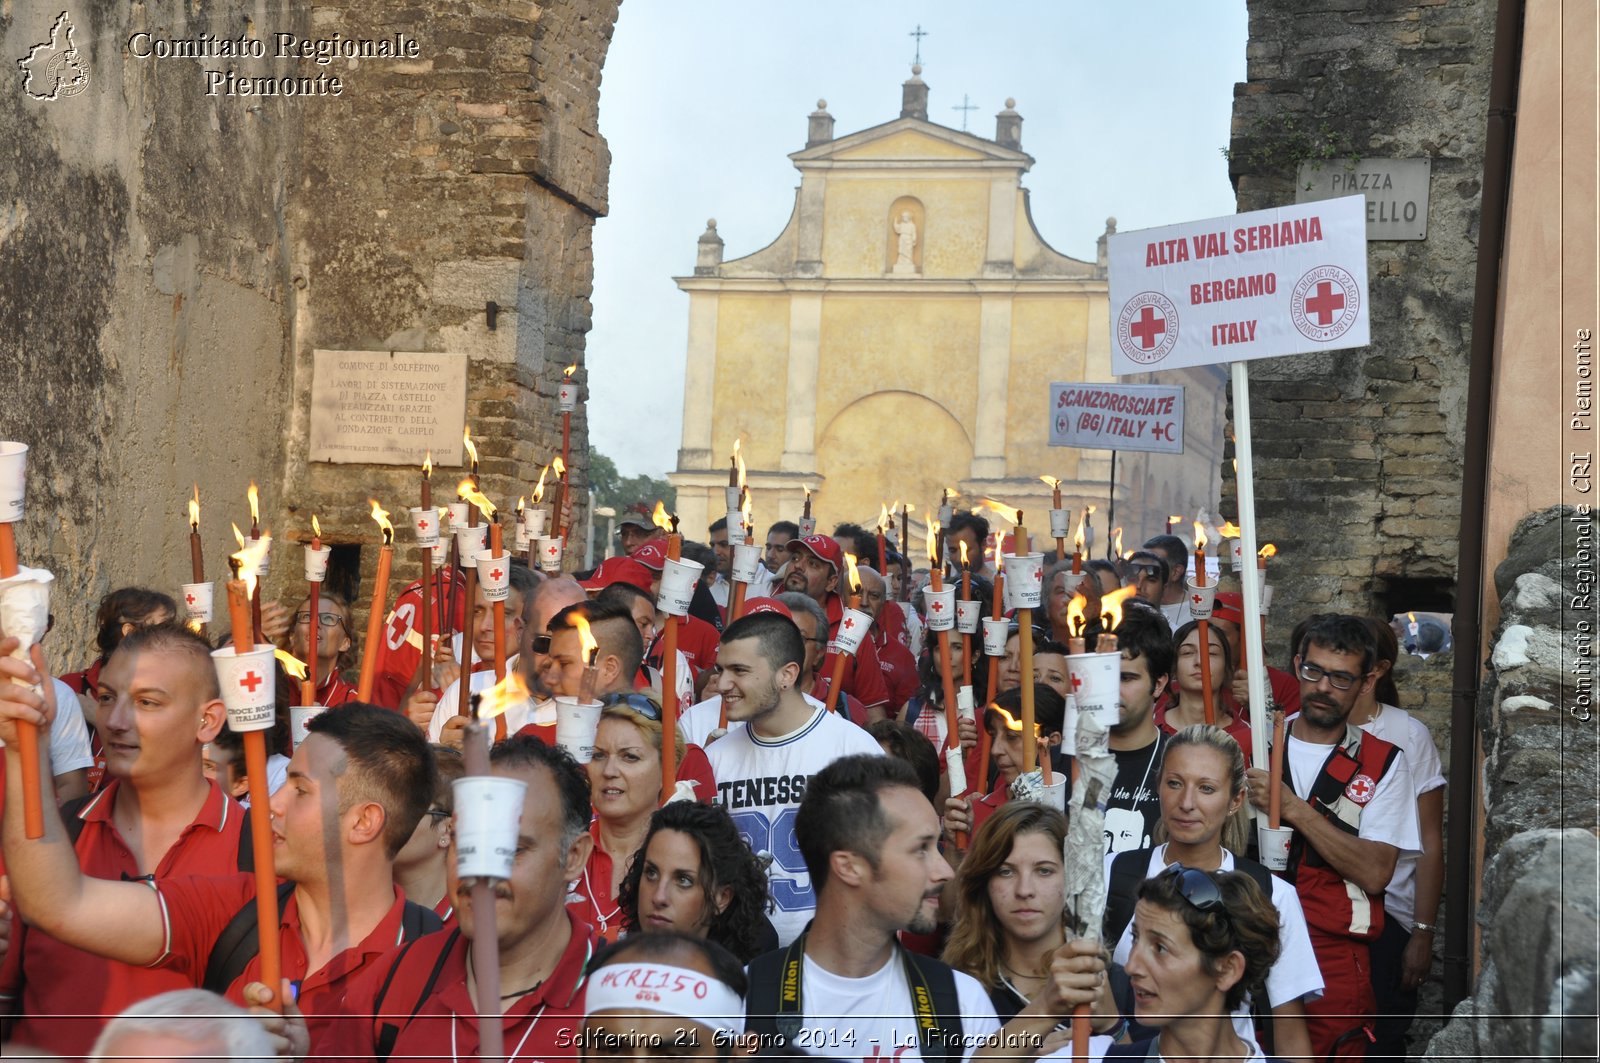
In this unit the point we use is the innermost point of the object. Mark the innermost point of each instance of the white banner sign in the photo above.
(1117, 417)
(1256, 285)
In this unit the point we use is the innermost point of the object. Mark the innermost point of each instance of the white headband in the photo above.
(657, 987)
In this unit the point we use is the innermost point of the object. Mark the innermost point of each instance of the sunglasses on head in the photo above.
(1198, 888)
(540, 645)
(640, 703)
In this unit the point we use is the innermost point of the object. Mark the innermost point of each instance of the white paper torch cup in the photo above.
(425, 526)
(197, 602)
(520, 540)
(1024, 579)
(967, 616)
(471, 541)
(677, 586)
(966, 708)
(13, 480)
(458, 514)
(1201, 600)
(300, 717)
(735, 521)
(1096, 683)
(995, 634)
(25, 607)
(494, 577)
(941, 608)
(567, 397)
(946, 515)
(746, 559)
(853, 626)
(248, 689)
(317, 563)
(535, 519)
(808, 527)
(441, 553)
(1236, 553)
(1266, 598)
(577, 722)
(731, 497)
(1274, 845)
(488, 818)
(264, 567)
(550, 551)
(1060, 523)
(955, 769)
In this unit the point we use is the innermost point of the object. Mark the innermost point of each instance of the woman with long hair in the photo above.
(1201, 785)
(695, 875)
(1201, 941)
(1183, 705)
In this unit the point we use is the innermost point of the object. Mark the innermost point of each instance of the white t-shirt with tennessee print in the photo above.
(760, 781)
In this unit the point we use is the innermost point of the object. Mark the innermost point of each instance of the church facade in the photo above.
(898, 338)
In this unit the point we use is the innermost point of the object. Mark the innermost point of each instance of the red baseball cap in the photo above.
(652, 555)
(1229, 606)
(823, 547)
(766, 605)
(618, 570)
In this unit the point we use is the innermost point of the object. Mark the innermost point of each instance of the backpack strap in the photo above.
(415, 921)
(70, 816)
(387, 1033)
(237, 945)
(246, 859)
(1122, 891)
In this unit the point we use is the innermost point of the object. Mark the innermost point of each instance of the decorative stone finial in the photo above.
(709, 254)
(1011, 103)
(914, 96)
(1008, 126)
(916, 70)
(819, 126)
(822, 105)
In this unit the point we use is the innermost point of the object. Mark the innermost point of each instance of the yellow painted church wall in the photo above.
(1048, 339)
(751, 376)
(856, 224)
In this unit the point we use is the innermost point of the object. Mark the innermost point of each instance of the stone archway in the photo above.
(889, 437)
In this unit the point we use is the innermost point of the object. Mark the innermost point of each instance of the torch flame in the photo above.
(1075, 621)
(469, 493)
(194, 509)
(427, 465)
(508, 692)
(855, 579)
(316, 526)
(466, 441)
(1200, 539)
(1267, 551)
(744, 510)
(1013, 515)
(1051, 481)
(1116, 541)
(933, 541)
(254, 494)
(585, 638)
(963, 544)
(522, 504)
(1176, 518)
(538, 488)
(1230, 530)
(660, 519)
(249, 558)
(1077, 536)
(559, 466)
(738, 460)
(1111, 606)
(569, 370)
(291, 664)
(381, 515)
(883, 518)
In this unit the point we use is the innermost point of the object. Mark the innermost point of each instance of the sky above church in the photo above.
(1125, 105)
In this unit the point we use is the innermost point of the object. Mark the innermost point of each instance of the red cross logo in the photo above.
(251, 681)
(398, 629)
(1196, 599)
(189, 598)
(422, 525)
(937, 607)
(1077, 681)
(1361, 789)
(553, 549)
(1147, 327)
(1038, 574)
(849, 622)
(496, 574)
(1325, 303)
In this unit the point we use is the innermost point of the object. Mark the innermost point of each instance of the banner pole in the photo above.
(1111, 506)
(1255, 654)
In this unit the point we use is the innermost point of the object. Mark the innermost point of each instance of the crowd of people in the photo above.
(811, 887)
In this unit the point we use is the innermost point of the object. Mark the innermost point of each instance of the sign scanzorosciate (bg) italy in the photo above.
(1258, 285)
(1117, 417)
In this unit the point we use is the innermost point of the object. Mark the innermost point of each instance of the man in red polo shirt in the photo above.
(157, 705)
(888, 635)
(543, 948)
(357, 785)
(816, 564)
(697, 640)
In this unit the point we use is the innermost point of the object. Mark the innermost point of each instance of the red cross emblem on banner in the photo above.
(250, 681)
(189, 598)
(1361, 789)
(1325, 303)
(496, 574)
(1147, 327)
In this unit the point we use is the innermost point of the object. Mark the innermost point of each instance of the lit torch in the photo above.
(380, 596)
(568, 401)
(472, 452)
(669, 664)
(591, 659)
(840, 655)
(316, 566)
(254, 494)
(558, 496)
(197, 563)
(1204, 626)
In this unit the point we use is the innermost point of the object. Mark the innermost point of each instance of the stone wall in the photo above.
(169, 260)
(1358, 452)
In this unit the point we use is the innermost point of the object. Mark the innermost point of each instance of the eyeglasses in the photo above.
(640, 703)
(1144, 570)
(325, 619)
(540, 645)
(437, 813)
(1337, 680)
(1198, 888)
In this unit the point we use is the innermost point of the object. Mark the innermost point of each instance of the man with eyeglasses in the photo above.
(1174, 599)
(1349, 797)
(1146, 572)
(333, 642)
(817, 569)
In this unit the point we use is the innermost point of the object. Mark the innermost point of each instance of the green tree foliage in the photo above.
(619, 492)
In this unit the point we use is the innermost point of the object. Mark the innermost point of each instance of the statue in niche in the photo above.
(905, 231)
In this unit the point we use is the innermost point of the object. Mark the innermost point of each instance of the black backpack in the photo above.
(765, 1014)
(1122, 894)
(238, 943)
